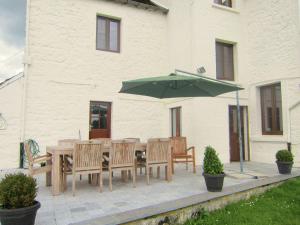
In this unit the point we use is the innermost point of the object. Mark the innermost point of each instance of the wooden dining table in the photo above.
(55, 177)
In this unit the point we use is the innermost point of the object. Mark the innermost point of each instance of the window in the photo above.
(227, 3)
(271, 109)
(224, 61)
(176, 122)
(108, 34)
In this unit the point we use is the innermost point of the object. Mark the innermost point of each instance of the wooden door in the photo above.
(234, 135)
(100, 120)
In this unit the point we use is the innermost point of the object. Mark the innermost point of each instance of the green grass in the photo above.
(278, 206)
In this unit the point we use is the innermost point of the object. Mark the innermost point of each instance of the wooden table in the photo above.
(55, 177)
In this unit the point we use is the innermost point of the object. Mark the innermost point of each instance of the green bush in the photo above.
(17, 191)
(212, 164)
(284, 156)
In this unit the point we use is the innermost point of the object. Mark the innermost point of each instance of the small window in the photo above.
(224, 61)
(176, 122)
(108, 34)
(227, 3)
(271, 109)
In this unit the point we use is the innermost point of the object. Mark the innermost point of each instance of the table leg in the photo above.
(56, 170)
(48, 174)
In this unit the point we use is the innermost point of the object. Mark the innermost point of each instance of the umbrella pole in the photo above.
(240, 130)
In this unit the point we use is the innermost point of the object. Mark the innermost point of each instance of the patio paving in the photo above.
(89, 204)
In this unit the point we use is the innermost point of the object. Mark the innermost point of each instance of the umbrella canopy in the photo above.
(176, 85)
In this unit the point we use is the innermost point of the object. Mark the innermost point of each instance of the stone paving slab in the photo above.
(126, 203)
(172, 205)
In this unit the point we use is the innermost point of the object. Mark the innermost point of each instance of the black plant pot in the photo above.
(214, 183)
(21, 216)
(284, 167)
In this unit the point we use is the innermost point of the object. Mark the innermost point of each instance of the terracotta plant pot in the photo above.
(214, 183)
(284, 167)
(21, 216)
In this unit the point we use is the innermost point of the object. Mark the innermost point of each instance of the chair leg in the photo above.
(194, 161)
(148, 174)
(166, 172)
(100, 181)
(129, 174)
(151, 172)
(141, 170)
(90, 179)
(169, 173)
(186, 163)
(134, 177)
(110, 179)
(172, 166)
(73, 184)
(158, 172)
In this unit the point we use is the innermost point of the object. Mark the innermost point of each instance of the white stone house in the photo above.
(79, 51)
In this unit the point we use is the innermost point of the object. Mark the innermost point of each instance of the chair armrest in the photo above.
(41, 159)
(190, 148)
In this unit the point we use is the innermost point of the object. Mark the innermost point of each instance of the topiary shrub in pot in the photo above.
(213, 170)
(17, 200)
(285, 161)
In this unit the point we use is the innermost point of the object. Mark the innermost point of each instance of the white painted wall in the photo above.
(10, 108)
(66, 72)
(273, 53)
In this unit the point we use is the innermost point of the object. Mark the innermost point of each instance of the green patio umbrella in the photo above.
(175, 85)
(188, 85)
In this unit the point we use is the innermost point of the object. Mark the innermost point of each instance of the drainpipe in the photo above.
(240, 131)
(26, 64)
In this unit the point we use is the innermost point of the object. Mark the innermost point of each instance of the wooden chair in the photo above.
(158, 153)
(180, 152)
(87, 159)
(122, 157)
(32, 161)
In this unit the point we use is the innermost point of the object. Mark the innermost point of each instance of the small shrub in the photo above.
(284, 156)
(17, 191)
(212, 164)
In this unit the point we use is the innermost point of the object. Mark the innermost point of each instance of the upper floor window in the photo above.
(227, 3)
(108, 34)
(271, 109)
(224, 61)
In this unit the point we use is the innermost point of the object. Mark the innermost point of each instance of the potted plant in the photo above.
(213, 170)
(17, 200)
(284, 161)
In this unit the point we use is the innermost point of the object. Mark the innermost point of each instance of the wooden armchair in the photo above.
(33, 161)
(122, 157)
(158, 153)
(87, 159)
(181, 154)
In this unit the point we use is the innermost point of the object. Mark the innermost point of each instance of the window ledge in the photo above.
(214, 5)
(269, 138)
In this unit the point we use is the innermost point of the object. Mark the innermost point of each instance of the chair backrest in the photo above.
(28, 154)
(67, 142)
(178, 145)
(158, 150)
(87, 156)
(105, 141)
(122, 153)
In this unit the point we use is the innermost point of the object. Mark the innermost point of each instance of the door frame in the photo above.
(110, 116)
(246, 132)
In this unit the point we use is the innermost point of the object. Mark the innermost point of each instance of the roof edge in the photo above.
(155, 7)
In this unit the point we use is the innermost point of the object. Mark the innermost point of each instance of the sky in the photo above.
(12, 37)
